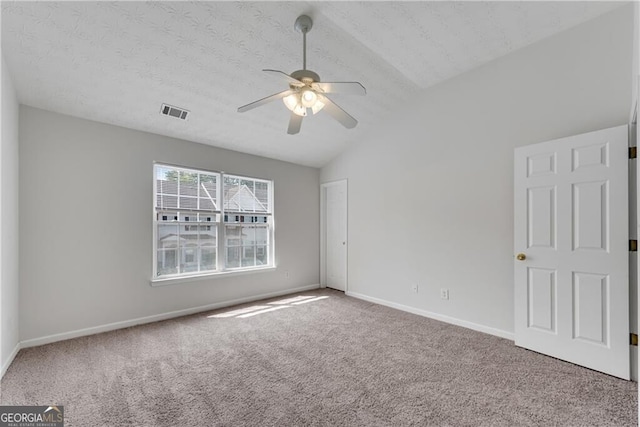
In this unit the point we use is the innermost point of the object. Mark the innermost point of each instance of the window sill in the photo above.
(165, 281)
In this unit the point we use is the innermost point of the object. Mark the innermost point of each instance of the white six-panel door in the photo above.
(571, 243)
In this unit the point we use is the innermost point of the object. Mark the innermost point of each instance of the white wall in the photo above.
(86, 224)
(431, 191)
(9, 336)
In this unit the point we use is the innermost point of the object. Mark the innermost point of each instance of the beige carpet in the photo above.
(332, 361)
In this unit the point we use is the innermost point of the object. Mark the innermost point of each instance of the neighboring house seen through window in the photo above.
(207, 222)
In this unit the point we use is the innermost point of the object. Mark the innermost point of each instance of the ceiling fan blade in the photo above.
(351, 88)
(338, 113)
(294, 124)
(264, 100)
(287, 77)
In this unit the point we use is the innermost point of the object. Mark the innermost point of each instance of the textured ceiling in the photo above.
(117, 62)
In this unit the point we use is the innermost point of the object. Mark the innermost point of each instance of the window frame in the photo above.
(220, 225)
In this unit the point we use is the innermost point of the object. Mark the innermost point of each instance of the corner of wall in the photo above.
(9, 201)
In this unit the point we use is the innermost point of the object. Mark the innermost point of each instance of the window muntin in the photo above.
(192, 210)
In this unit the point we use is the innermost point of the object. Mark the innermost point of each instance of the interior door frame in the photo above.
(323, 231)
(634, 233)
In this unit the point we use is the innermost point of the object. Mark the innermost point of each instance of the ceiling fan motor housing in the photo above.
(306, 76)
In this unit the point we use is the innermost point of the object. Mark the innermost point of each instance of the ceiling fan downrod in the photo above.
(304, 24)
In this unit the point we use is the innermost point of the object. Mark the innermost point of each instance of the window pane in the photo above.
(167, 202)
(240, 195)
(188, 258)
(208, 235)
(248, 236)
(166, 180)
(208, 242)
(167, 187)
(231, 187)
(248, 256)
(188, 183)
(248, 183)
(262, 194)
(207, 258)
(167, 249)
(233, 257)
(207, 190)
(207, 204)
(248, 196)
(167, 236)
(188, 203)
(262, 256)
(167, 262)
(262, 235)
(232, 235)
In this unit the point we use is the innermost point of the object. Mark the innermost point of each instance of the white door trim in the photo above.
(323, 229)
(634, 226)
(634, 206)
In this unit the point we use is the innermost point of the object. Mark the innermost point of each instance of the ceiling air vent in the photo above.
(177, 112)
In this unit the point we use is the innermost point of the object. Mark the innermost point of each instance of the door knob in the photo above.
(521, 257)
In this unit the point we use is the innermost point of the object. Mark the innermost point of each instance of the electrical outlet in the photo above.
(444, 293)
(414, 288)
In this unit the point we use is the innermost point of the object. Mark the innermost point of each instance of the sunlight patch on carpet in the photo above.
(242, 316)
(237, 312)
(254, 310)
(309, 300)
(292, 300)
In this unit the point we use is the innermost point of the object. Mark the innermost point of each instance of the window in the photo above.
(208, 222)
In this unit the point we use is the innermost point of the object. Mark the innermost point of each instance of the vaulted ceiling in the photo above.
(117, 62)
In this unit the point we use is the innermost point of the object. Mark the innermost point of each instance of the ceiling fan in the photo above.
(306, 92)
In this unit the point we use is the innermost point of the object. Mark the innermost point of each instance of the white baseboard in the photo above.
(441, 317)
(157, 317)
(12, 356)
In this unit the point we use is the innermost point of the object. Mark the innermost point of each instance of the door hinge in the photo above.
(633, 152)
(633, 245)
(633, 339)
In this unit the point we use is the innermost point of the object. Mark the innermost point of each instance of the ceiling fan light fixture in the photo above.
(319, 105)
(300, 110)
(308, 98)
(306, 93)
(291, 101)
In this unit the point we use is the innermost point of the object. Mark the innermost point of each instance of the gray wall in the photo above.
(86, 224)
(9, 289)
(431, 190)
